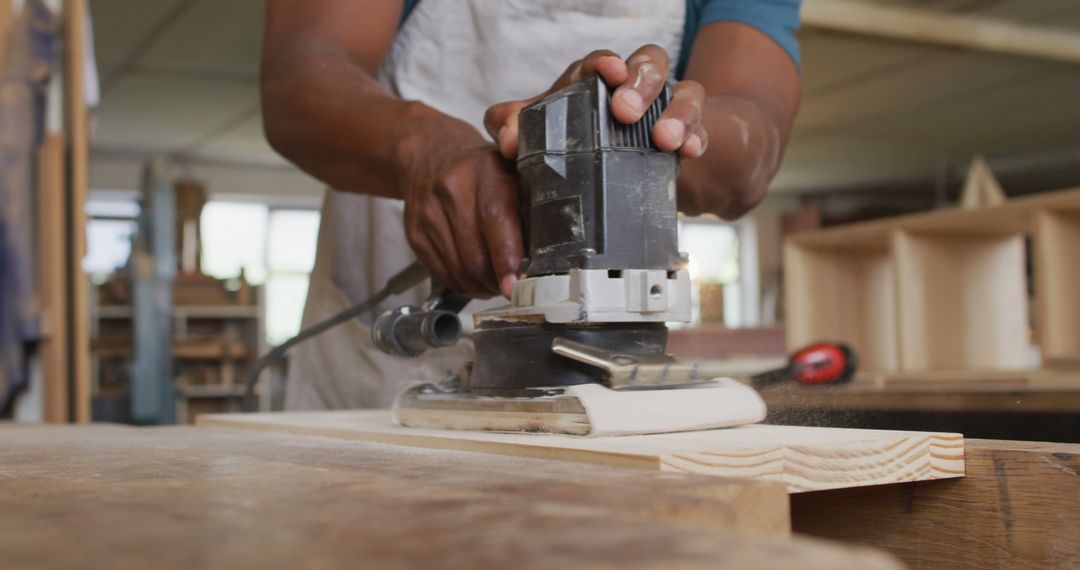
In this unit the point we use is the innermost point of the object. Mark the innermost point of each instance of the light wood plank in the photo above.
(52, 276)
(1012, 217)
(803, 458)
(1016, 508)
(78, 180)
(181, 497)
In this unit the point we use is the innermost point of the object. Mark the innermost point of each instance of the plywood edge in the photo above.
(636, 461)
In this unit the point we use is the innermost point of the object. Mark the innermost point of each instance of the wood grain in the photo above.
(802, 458)
(1016, 508)
(180, 497)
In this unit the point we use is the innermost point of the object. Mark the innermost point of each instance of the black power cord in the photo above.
(401, 282)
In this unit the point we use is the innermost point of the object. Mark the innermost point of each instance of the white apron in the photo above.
(460, 57)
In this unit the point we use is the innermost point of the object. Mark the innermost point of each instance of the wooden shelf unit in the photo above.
(213, 346)
(945, 290)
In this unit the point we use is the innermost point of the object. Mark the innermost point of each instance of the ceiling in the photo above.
(180, 77)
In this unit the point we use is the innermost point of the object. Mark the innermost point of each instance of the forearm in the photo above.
(745, 147)
(330, 117)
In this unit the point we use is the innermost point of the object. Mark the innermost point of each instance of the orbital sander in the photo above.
(581, 347)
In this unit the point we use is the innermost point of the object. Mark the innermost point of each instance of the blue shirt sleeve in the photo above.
(407, 8)
(777, 19)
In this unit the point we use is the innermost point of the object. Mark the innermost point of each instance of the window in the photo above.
(290, 255)
(713, 248)
(274, 247)
(109, 227)
(234, 238)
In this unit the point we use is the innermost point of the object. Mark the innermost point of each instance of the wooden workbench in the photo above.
(1016, 507)
(109, 496)
(119, 497)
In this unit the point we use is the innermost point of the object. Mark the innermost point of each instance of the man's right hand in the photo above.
(461, 207)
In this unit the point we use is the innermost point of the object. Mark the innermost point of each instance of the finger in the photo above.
(682, 119)
(501, 122)
(499, 222)
(470, 244)
(647, 70)
(436, 227)
(454, 225)
(696, 144)
(605, 63)
(426, 253)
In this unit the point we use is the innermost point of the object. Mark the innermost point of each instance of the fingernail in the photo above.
(506, 284)
(693, 146)
(675, 129)
(505, 142)
(633, 99)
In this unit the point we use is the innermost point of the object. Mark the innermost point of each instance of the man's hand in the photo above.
(637, 81)
(461, 208)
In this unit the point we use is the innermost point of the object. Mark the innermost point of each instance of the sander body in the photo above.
(603, 275)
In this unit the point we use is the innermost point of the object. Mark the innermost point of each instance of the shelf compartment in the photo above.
(845, 294)
(1056, 252)
(962, 301)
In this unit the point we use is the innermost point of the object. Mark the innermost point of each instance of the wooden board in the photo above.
(927, 397)
(51, 277)
(78, 139)
(119, 497)
(1015, 509)
(1014, 216)
(1057, 271)
(803, 458)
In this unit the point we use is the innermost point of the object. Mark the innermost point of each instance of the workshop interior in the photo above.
(877, 366)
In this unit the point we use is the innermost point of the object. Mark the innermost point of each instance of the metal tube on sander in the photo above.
(409, 331)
